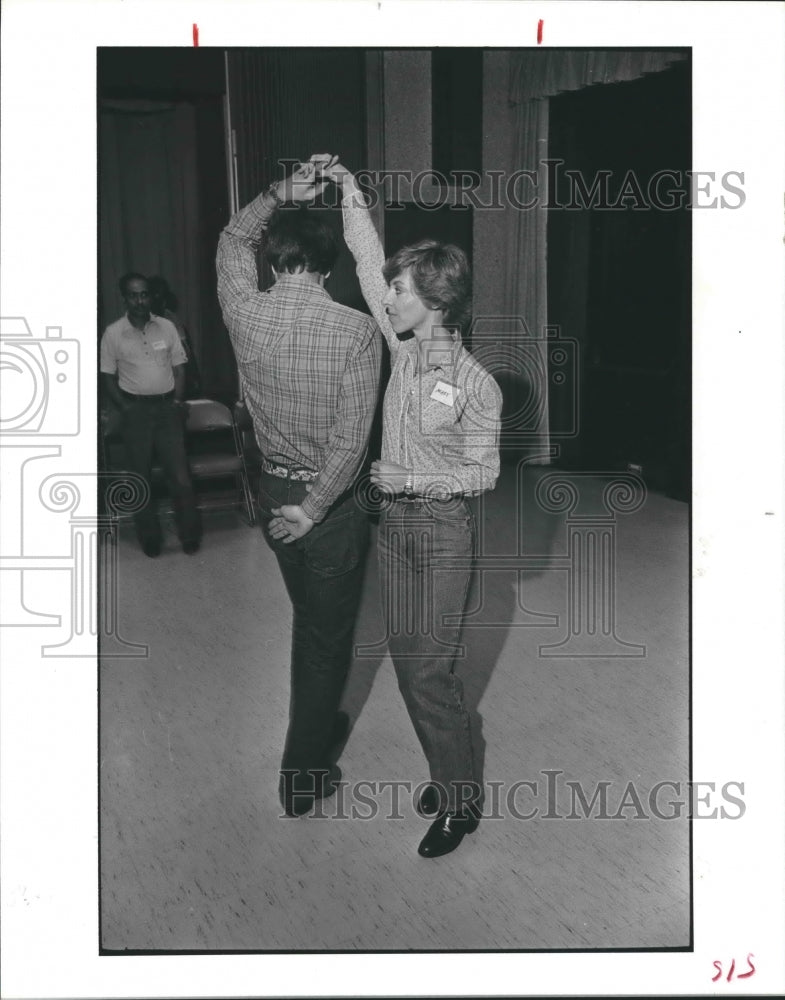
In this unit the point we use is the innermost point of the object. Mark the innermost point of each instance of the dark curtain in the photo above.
(287, 104)
(162, 202)
(148, 208)
(536, 75)
(619, 281)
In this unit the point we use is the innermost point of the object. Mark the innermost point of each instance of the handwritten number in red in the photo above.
(742, 975)
(539, 31)
(196, 35)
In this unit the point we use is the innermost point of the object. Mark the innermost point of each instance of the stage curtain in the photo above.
(536, 75)
(148, 209)
(525, 385)
(539, 73)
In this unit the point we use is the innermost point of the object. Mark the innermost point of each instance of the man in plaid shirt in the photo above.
(309, 370)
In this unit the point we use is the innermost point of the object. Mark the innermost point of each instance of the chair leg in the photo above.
(245, 487)
(250, 510)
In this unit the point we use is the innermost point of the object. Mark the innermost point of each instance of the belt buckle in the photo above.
(284, 472)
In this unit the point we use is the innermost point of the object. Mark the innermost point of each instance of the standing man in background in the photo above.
(309, 369)
(164, 302)
(143, 374)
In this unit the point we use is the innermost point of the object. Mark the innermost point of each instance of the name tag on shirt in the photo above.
(444, 393)
(159, 344)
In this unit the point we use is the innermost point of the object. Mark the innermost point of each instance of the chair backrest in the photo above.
(242, 417)
(207, 415)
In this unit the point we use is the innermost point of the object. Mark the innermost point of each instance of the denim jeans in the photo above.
(323, 572)
(151, 428)
(426, 549)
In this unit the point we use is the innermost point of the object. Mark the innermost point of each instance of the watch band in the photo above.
(272, 192)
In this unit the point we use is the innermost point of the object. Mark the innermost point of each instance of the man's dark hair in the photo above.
(297, 239)
(131, 276)
(440, 275)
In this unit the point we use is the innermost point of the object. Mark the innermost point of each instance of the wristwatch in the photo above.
(408, 488)
(272, 192)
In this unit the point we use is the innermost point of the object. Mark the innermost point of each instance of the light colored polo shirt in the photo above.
(142, 359)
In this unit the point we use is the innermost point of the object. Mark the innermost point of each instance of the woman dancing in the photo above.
(440, 448)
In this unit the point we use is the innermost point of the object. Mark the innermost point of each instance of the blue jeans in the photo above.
(426, 549)
(323, 573)
(154, 428)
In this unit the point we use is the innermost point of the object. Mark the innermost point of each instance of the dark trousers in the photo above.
(153, 428)
(426, 551)
(323, 573)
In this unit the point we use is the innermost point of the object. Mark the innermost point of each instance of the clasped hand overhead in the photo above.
(310, 179)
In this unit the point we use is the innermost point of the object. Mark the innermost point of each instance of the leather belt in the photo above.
(141, 395)
(426, 500)
(286, 472)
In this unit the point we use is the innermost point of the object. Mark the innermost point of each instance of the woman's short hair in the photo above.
(297, 239)
(441, 276)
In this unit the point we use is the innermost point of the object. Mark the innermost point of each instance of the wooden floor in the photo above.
(194, 853)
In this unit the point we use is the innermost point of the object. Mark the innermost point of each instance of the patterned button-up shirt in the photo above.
(443, 421)
(309, 367)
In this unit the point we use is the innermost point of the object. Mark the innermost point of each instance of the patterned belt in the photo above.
(284, 472)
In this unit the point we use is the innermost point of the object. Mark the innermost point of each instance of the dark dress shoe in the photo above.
(429, 803)
(191, 545)
(446, 833)
(298, 803)
(151, 547)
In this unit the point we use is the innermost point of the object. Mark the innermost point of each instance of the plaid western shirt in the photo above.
(309, 367)
(443, 422)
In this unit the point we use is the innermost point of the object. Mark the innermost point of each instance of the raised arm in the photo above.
(236, 256)
(363, 242)
(241, 301)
